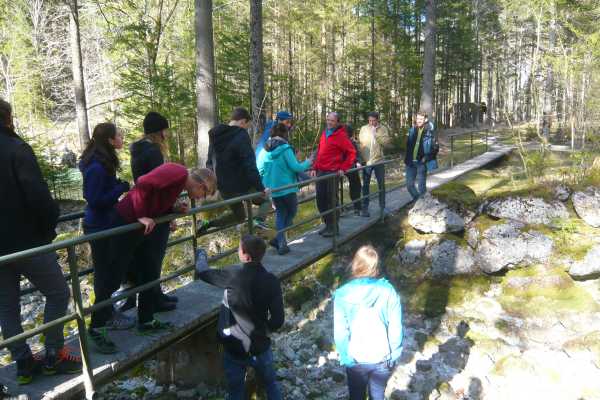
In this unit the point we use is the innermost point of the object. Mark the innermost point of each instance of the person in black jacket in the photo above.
(147, 154)
(416, 157)
(231, 156)
(29, 216)
(252, 307)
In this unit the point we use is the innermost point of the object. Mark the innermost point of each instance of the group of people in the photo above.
(234, 168)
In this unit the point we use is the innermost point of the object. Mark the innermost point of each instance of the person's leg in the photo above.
(323, 198)
(358, 378)
(411, 175)
(46, 275)
(265, 368)
(281, 212)
(235, 374)
(366, 186)
(237, 215)
(355, 189)
(10, 310)
(378, 379)
(422, 178)
(106, 280)
(152, 251)
(380, 176)
(291, 201)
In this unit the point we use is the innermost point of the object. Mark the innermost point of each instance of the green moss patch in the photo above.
(457, 194)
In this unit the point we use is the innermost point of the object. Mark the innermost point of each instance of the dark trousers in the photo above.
(238, 211)
(112, 259)
(45, 274)
(371, 376)
(151, 251)
(286, 208)
(354, 186)
(366, 188)
(416, 171)
(327, 197)
(235, 373)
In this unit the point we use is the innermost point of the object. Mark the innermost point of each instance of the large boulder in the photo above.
(429, 215)
(587, 206)
(589, 267)
(412, 252)
(448, 258)
(561, 193)
(531, 210)
(506, 246)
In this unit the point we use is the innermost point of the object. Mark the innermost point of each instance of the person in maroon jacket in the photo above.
(155, 194)
(335, 155)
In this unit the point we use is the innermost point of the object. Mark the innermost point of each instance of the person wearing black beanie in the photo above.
(155, 123)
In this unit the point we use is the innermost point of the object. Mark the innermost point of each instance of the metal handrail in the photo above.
(70, 245)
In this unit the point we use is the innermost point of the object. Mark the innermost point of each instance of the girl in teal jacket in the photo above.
(367, 326)
(278, 166)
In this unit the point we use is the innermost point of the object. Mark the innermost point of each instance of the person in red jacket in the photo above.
(335, 155)
(155, 194)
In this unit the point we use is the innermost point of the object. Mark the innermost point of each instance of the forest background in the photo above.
(67, 65)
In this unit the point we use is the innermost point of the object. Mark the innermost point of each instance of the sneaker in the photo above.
(101, 342)
(260, 224)
(283, 250)
(120, 322)
(62, 361)
(274, 243)
(153, 326)
(203, 226)
(27, 368)
(365, 213)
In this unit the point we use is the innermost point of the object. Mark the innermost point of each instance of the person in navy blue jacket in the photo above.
(99, 164)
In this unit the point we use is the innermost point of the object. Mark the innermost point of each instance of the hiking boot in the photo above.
(120, 322)
(62, 361)
(153, 326)
(365, 213)
(260, 224)
(274, 243)
(283, 250)
(165, 306)
(101, 342)
(27, 368)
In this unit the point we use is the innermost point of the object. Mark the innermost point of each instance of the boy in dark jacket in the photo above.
(252, 307)
(417, 156)
(29, 216)
(231, 156)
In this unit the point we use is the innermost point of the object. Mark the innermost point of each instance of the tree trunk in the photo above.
(428, 60)
(257, 73)
(372, 80)
(206, 101)
(78, 79)
(549, 84)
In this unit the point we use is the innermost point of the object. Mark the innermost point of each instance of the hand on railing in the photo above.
(148, 223)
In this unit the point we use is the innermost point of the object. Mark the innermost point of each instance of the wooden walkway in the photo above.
(199, 302)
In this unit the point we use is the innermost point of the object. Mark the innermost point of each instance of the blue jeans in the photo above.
(416, 171)
(373, 376)
(286, 208)
(235, 373)
(380, 176)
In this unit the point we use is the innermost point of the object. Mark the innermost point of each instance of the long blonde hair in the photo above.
(365, 263)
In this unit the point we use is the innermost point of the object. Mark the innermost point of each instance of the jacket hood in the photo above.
(222, 135)
(276, 145)
(363, 291)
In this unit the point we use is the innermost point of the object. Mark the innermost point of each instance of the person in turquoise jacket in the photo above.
(367, 327)
(278, 166)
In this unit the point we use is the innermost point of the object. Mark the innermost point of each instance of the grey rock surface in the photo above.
(561, 193)
(587, 206)
(589, 267)
(531, 210)
(429, 215)
(448, 258)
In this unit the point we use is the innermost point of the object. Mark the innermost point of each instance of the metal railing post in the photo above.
(451, 151)
(471, 144)
(486, 140)
(194, 236)
(334, 215)
(381, 208)
(249, 212)
(88, 372)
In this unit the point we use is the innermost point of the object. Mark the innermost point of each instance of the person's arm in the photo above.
(94, 178)
(276, 314)
(349, 153)
(394, 318)
(292, 162)
(341, 331)
(35, 191)
(209, 157)
(248, 162)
